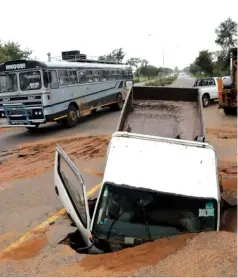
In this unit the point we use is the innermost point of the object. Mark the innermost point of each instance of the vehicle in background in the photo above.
(153, 187)
(34, 92)
(208, 88)
(228, 92)
(161, 188)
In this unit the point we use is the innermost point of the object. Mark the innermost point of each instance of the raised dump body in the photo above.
(163, 111)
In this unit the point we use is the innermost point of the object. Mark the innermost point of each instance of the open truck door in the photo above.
(72, 192)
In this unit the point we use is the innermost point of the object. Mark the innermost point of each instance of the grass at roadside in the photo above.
(162, 81)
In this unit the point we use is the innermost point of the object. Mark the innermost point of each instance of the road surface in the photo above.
(25, 203)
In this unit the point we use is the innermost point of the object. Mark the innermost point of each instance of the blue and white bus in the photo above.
(34, 92)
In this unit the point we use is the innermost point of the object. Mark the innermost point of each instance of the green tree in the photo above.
(176, 70)
(226, 38)
(12, 51)
(226, 34)
(194, 69)
(205, 62)
(117, 55)
(135, 62)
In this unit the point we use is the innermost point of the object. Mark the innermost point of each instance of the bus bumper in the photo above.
(20, 115)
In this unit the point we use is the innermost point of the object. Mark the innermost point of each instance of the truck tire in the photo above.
(117, 106)
(230, 110)
(72, 118)
(205, 100)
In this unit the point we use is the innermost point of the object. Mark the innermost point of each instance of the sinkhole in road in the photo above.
(228, 223)
(75, 241)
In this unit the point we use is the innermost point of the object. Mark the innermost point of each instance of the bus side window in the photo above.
(81, 77)
(103, 75)
(89, 75)
(73, 78)
(63, 77)
(96, 76)
(53, 79)
(118, 74)
(109, 74)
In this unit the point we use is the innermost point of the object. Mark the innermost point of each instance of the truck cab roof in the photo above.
(162, 164)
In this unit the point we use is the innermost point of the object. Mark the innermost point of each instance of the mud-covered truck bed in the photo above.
(163, 111)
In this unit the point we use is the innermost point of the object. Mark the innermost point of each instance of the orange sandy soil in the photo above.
(34, 159)
(206, 254)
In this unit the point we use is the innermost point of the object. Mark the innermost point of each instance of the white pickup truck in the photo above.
(160, 177)
(153, 187)
(208, 88)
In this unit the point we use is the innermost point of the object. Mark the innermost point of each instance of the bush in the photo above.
(162, 81)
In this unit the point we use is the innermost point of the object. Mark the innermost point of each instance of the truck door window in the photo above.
(211, 82)
(74, 189)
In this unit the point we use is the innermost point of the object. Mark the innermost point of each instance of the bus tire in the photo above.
(32, 128)
(117, 106)
(93, 112)
(72, 118)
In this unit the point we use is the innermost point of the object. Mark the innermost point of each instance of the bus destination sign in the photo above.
(16, 66)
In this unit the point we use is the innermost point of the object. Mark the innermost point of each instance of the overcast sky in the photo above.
(96, 27)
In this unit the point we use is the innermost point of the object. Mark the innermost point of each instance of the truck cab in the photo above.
(208, 88)
(153, 187)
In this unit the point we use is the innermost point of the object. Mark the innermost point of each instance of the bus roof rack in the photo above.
(76, 56)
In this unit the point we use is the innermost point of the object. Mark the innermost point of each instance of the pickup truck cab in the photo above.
(208, 88)
(153, 187)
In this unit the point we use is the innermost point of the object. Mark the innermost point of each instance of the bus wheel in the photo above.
(72, 118)
(33, 128)
(93, 112)
(117, 106)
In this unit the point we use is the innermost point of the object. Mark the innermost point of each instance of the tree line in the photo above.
(13, 51)
(217, 63)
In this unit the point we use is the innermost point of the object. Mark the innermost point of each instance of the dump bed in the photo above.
(163, 111)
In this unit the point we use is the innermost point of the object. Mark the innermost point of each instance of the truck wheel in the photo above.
(72, 118)
(230, 110)
(117, 106)
(205, 100)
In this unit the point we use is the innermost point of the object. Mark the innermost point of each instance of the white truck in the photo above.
(160, 177)
(208, 88)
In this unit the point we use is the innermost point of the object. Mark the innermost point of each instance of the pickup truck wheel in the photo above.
(117, 106)
(205, 100)
(72, 118)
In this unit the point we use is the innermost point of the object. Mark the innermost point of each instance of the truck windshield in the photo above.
(149, 214)
(30, 80)
(8, 82)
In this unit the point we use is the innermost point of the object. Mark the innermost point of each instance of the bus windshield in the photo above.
(30, 80)
(130, 212)
(8, 82)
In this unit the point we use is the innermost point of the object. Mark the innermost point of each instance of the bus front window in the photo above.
(8, 82)
(30, 80)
